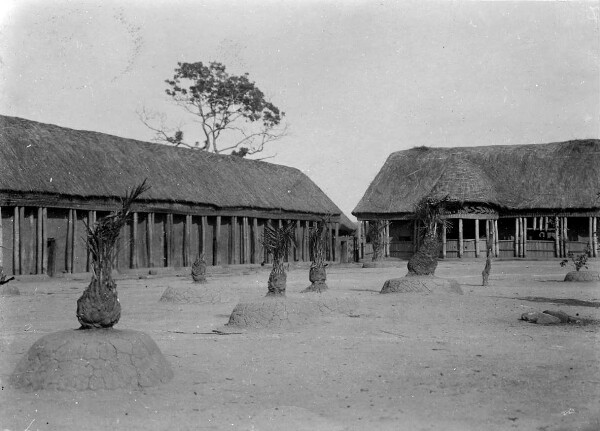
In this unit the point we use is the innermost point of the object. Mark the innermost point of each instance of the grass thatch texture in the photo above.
(540, 176)
(47, 159)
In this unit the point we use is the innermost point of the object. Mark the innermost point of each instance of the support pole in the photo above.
(235, 242)
(460, 237)
(591, 234)
(524, 236)
(566, 236)
(216, 242)
(595, 236)
(298, 249)
(203, 225)
(476, 237)
(444, 245)
(133, 258)
(39, 255)
(69, 250)
(247, 249)
(187, 237)
(557, 242)
(255, 243)
(496, 244)
(149, 237)
(44, 240)
(516, 242)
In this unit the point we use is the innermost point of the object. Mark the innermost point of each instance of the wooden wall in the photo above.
(53, 240)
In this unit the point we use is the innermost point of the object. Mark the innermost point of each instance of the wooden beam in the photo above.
(133, 256)
(595, 236)
(305, 242)
(169, 239)
(565, 236)
(476, 237)
(460, 237)
(524, 236)
(516, 243)
(69, 250)
(557, 247)
(234, 242)
(149, 238)
(496, 243)
(187, 236)
(45, 240)
(337, 255)
(216, 241)
(591, 234)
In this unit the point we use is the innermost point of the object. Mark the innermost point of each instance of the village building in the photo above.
(54, 181)
(532, 201)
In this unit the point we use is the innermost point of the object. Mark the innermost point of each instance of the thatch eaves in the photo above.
(47, 159)
(564, 175)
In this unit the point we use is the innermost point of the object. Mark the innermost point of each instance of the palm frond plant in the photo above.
(319, 237)
(278, 242)
(429, 213)
(98, 306)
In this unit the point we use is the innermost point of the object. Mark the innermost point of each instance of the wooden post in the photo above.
(38, 242)
(69, 250)
(30, 258)
(203, 226)
(337, 250)
(595, 236)
(557, 248)
(1, 242)
(234, 249)
(44, 240)
(444, 245)
(496, 244)
(460, 237)
(73, 240)
(534, 223)
(590, 240)
(216, 241)
(255, 243)
(133, 259)
(305, 242)
(566, 236)
(524, 236)
(149, 237)
(246, 231)
(298, 248)
(476, 237)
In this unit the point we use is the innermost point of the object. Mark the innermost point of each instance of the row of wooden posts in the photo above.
(520, 237)
(244, 246)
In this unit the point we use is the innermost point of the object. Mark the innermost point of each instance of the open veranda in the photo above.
(399, 361)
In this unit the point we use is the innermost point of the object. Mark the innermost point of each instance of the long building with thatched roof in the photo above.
(537, 201)
(54, 180)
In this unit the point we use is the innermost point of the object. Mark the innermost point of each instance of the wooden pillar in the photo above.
(460, 237)
(591, 234)
(298, 248)
(216, 242)
(44, 240)
(255, 243)
(1, 242)
(594, 236)
(68, 249)
(534, 223)
(476, 237)
(169, 239)
(524, 236)
(565, 236)
(234, 249)
(39, 255)
(133, 255)
(496, 244)
(74, 236)
(247, 249)
(187, 237)
(444, 246)
(516, 244)
(202, 241)
(337, 250)
(557, 248)
(149, 237)
(305, 242)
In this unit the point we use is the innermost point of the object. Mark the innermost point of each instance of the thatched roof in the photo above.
(561, 176)
(47, 159)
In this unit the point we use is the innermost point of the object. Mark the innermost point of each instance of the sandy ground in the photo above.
(399, 362)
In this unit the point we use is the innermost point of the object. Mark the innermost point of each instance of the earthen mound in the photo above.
(278, 312)
(193, 295)
(582, 276)
(92, 359)
(421, 284)
(9, 290)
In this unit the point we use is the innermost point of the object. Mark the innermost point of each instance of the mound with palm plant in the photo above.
(96, 356)
(318, 238)
(429, 212)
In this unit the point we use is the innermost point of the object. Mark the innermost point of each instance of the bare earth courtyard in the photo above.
(405, 361)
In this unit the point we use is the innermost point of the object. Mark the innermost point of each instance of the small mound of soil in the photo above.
(421, 284)
(281, 312)
(92, 359)
(193, 295)
(9, 290)
(583, 276)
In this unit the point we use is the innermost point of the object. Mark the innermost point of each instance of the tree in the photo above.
(234, 116)
(376, 233)
(98, 306)
(278, 241)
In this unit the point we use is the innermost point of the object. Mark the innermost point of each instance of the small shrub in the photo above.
(578, 261)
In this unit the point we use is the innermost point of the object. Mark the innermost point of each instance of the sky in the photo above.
(357, 80)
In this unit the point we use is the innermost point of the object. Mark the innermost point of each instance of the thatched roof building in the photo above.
(53, 180)
(556, 180)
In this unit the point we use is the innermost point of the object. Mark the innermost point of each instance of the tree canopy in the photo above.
(234, 116)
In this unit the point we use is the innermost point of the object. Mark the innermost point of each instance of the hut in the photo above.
(54, 180)
(536, 201)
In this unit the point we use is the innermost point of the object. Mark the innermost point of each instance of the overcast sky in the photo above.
(357, 79)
